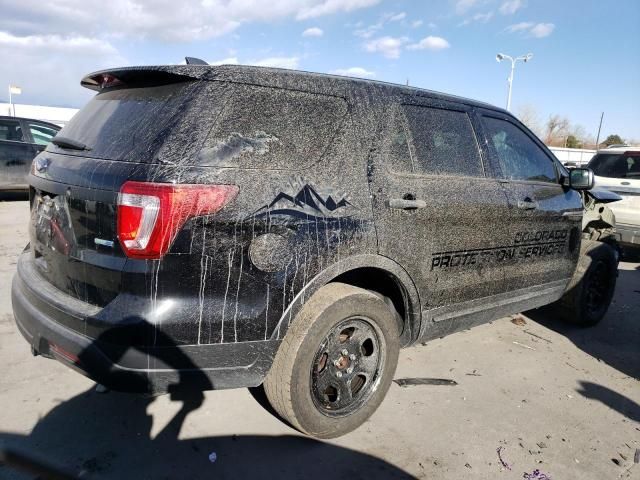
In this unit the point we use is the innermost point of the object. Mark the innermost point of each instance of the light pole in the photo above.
(524, 58)
(13, 90)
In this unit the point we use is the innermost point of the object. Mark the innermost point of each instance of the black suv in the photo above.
(233, 226)
(21, 139)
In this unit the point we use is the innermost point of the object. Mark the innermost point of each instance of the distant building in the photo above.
(574, 157)
(58, 115)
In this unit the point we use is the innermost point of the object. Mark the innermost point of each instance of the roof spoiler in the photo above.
(145, 76)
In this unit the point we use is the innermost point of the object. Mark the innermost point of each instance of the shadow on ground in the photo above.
(612, 399)
(108, 436)
(615, 341)
(616, 338)
(96, 435)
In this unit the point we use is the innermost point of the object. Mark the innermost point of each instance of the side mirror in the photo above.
(581, 178)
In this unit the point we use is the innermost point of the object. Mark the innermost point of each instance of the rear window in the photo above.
(129, 124)
(444, 142)
(616, 165)
(272, 128)
(209, 124)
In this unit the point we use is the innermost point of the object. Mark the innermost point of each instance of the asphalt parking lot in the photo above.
(563, 400)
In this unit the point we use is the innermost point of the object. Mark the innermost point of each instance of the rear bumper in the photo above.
(629, 234)
(44, 315)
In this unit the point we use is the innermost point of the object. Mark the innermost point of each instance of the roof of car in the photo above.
(274, 76)
(9, 117)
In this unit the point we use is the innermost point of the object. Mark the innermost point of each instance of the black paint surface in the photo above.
(318, 160)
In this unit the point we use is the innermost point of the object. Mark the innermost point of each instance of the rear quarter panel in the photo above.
(234, 274)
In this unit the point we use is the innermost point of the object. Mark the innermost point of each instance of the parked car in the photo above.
(21, 139)
(618, 169)
(234, 226)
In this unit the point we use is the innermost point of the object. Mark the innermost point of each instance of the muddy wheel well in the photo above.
(380, 281)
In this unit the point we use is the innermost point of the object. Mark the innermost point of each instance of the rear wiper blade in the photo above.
(68, 143)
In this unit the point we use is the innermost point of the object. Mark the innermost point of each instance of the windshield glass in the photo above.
(615, 165)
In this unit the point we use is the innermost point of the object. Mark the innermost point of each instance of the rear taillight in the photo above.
(150, 215)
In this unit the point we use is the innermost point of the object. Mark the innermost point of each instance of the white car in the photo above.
(618, 169)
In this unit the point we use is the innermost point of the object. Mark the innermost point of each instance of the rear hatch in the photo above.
(130, 130)
(620, 173)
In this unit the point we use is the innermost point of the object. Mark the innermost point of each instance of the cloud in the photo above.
(397, 17)
(463, 6)
(416, 23)
(36, 59)
(277, 62)
(430, 43)
(56, 43)
(519, 27)
(542, 30)
(225, 61)
(313, 32)
(390, 47)
(369, 31)
(478, 17)
(511, 6)
(353, 72)
(531, 29)
(325, 7)
(194, 20)
(483, 17)
(65, 39)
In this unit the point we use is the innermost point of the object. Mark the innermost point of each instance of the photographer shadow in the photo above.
(94, 435)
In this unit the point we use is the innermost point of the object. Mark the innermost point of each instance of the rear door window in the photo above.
(616, 165)
(443, 141)
(272, 128)
(518, 156)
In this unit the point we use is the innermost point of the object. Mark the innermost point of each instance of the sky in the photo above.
(586, 53)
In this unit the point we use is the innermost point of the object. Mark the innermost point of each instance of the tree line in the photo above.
(559, 131)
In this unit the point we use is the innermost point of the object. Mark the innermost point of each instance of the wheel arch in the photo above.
(372, 272)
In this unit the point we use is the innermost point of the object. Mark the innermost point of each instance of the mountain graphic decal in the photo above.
(306, 203)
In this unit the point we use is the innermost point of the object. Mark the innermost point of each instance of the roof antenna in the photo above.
(194, 61)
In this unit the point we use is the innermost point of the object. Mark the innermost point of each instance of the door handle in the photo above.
(527, 204)
(402, 204)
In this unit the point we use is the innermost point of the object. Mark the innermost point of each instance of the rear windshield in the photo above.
(208, 124)
(129, 124)
(616, 165)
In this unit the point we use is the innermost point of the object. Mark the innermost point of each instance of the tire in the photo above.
(304, 385)
(591, 288)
